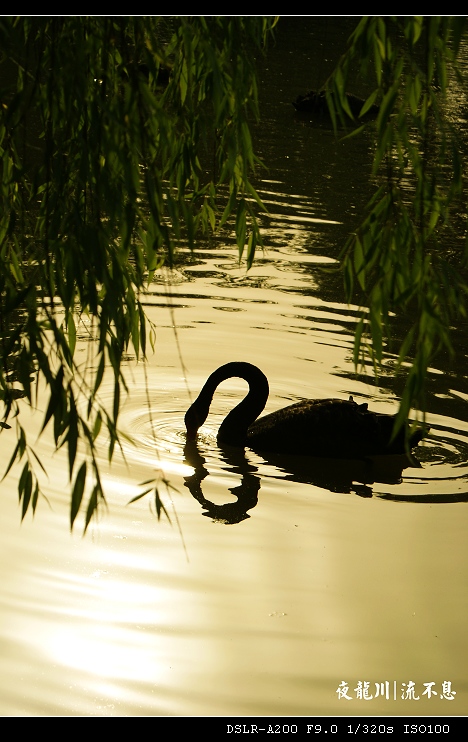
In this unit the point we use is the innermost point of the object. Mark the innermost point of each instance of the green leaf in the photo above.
(26, 489)
(252, 244)
(77, 493)
(160, 508)
(241, 227)
(183, 81)
(369, 102)
(138, 497)
(92, 505)
(71, 333)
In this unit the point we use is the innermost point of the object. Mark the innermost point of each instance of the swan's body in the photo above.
(315, 427)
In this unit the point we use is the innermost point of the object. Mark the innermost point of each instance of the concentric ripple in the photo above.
(438, 472)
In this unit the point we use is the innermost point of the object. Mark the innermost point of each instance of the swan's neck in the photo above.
(233, 430)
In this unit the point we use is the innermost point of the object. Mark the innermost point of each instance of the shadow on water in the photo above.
(246, 493)
(345, 476)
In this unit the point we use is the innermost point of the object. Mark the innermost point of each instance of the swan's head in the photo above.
(193, 422)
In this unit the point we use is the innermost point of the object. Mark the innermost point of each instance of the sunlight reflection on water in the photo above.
(298, 593)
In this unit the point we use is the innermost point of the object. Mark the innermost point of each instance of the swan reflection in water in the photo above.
(344, 476)
(298, 441)
(246, 493)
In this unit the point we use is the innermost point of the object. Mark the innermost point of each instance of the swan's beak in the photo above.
(191, 424)
(191, 434)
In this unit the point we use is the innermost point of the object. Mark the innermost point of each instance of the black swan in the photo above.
(316, 103)
(315, 427)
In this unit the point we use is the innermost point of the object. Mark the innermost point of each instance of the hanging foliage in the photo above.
(117, 136)
(404, 259)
